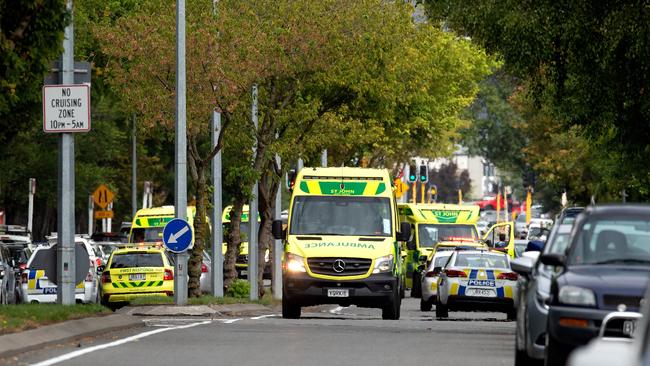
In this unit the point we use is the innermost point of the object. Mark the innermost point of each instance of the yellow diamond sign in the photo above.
(103, 196)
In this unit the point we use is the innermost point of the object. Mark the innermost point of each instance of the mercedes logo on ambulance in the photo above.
(338, 266)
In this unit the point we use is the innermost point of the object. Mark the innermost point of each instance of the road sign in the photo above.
(400, 188)
(103, 196)
(177, 236)
(66, 108)
(103, 214)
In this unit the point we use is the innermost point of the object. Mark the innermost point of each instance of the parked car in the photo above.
(619, 350)
(7, 278)
(430, 278)
(19, 254)
(605, 268)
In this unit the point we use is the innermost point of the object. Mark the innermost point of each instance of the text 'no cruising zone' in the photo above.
(177, 236)
(66, 108)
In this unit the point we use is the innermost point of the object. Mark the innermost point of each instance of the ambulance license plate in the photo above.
(137, 277)
(480, 292)
(338, 293)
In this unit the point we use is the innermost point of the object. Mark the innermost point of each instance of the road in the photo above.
(328, 335)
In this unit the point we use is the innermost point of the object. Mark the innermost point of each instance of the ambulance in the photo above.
(436, 226)
(342, 241)
(148, 224)
(241, 263)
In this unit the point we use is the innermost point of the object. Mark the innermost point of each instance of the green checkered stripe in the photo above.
(137, 284)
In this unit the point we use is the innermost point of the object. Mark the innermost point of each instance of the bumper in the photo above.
(134, 295)
(536, 328)
(374, 291)
(429, 290)
(573, 335)
(470, 303)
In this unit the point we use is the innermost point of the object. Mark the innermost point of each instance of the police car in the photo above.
(136, 272)
(37, 288)
(430, 279)
(477, 280)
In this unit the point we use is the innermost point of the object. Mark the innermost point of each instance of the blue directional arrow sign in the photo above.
(177, 236)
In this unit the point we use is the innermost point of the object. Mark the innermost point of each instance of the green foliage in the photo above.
(239, 289)
(448, 182)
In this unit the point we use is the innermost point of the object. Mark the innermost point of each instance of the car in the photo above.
(605, 268)
(621, 349)
(37, 288)
(477, 280)
(521, 226)
(534, 287)
(7, 277)
(429, 284)
(206, 266)
(136, 272)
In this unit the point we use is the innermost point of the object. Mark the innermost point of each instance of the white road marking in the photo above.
(230, 321)
(81, 352)
(336, 310)
(264, 316)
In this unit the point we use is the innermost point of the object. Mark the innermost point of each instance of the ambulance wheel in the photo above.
(402, 290)
(290, 310)
(416, 291)
(442, 311)
(425, 305)
(392, 310)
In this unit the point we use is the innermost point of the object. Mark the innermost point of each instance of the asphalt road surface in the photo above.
(327, 335)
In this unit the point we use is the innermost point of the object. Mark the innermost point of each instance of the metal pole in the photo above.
(91, 211)
(323, 158)
(30, 205)
(252, 216)
(66, 186)
(300, 165)
(277, 244)
(145, 195)
(217, 229)
(109, 221)
(180, 186)
(134, 172)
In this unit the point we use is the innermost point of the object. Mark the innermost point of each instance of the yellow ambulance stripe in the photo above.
(371, 188)
(313, 186)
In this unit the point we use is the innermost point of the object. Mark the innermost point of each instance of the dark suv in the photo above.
(605, 268)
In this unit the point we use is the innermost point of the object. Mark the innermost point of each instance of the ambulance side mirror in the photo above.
(404, 233)
(277, 230)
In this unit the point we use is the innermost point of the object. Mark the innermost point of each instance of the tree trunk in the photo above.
(200, 234)
(233, 240)
(268, 188)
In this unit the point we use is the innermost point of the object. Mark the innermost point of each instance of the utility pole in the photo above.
(323, 158)
(253, 254)
(66, 186)
(91, 211)
(217, 229)
(180, 186)
(134, 172)
(30, 204)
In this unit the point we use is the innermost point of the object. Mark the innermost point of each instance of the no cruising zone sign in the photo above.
(66, 108)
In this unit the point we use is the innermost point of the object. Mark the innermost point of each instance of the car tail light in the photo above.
(430, 274)
(169, 275)
(98, 261)
(106, 277)
(510, 276)
(22, 266)
(204, 268)
(452, 273)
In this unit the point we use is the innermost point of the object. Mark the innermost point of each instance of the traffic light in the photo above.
(424, 173)
(412, 173)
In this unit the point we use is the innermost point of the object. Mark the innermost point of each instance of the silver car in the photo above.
(430, 279)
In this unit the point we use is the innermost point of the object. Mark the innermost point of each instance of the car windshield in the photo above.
(341, 215)
(481, 260)
(430, 234)
(624, 240)
(147, 235)
(129, 260)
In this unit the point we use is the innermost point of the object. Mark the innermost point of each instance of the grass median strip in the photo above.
(16, 318)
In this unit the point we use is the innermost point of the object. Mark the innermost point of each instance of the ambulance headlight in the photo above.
(383, 264)
(294, 263)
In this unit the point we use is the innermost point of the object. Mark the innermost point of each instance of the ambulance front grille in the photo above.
(332, 266)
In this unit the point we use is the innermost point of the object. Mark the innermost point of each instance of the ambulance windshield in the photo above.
(341, 215)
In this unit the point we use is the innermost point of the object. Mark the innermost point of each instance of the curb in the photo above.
(17, 343)
(197, 310)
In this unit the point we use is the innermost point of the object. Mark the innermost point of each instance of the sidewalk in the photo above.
(128, 317)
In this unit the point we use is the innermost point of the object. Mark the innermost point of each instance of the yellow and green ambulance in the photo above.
(148, 224)
(241, 263)
(436, 226)
(342, 241)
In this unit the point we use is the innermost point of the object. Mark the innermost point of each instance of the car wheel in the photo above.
(521, 354)
(556, 352)
(289, 309)
(425, 305)
(511, 314)
(416, 291)
(392, 310)
(441, 310)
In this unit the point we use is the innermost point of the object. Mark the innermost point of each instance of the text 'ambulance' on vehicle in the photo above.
(341, 242)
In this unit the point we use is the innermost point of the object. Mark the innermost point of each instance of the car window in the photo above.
(128, 260)
(603, 241)
(481, 260)
(440, 261)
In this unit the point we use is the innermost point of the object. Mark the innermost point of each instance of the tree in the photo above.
(448, 181)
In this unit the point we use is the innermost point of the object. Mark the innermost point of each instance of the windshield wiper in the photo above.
(623, 260)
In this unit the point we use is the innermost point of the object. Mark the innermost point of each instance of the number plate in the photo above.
(338, 293)
(629, 327)
(244, 272)
(480, 292)
(137, 277)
